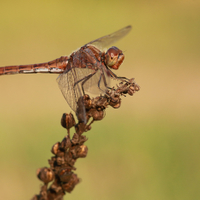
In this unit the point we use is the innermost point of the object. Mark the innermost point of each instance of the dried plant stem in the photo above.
(61, 170)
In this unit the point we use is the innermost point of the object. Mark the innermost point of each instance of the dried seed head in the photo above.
(65, 174)
(101, 102)
(82, 151)
(66, 143)
(60, 160)
(82, 139)
(45, 174)
(97, 114)
(115, 104)
(87, 101)
(72, 162)
(56, 187)
(137, 87)
(131, 90)
(73, 152)
(75, 138)
(68, 121)
(55, 148)
(43, 192)
(68, 187)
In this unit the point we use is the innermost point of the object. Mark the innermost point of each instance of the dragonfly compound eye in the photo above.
(114, 57)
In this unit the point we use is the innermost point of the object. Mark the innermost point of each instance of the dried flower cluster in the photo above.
(61, 170)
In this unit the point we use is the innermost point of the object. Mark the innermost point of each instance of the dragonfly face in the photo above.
(114, 57)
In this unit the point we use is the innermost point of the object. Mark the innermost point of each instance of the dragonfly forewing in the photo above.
(108, 40)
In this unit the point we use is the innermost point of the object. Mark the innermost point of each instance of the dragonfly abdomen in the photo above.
(56, 66)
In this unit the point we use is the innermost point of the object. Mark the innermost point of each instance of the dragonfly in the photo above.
(87, 69)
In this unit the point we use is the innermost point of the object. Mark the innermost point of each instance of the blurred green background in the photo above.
(146, 150)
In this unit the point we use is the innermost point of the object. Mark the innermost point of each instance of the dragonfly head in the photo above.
(114, 57)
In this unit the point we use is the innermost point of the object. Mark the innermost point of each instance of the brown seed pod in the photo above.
(68, 121)
(45, 174)
(75, 139)
(68, 187)
(87, 101)
(131, 90)
(55, 148)
(137, 87)
(60, 160)
(66, 143)
(115, 104)
(96, 114)
(82, 151)
(65, 174)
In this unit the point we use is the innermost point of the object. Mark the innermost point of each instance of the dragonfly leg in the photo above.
(99, 82)
(105, 83)
(104, 80)
(83, 80)
(86, 79)
(113, 75)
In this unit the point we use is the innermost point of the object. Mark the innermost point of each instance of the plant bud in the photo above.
(68, 121)
(55, 148)
(66, 143)
(82, 151)
(87, 101)
(56, 187)
(60, 160)
(131, 90)
(116, 104)
(137, 87)
(45, 174)
(68, 187)
(75, 138)
(97, 114)
(65, 174)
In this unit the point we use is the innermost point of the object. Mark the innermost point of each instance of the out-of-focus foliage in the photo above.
(147, 149)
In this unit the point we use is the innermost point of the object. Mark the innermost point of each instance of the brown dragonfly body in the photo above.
(55, 66)
(85, 68)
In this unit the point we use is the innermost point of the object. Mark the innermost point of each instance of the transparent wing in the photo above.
(95, 84)
(72, 93)
(107, 40)
(66, 83)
